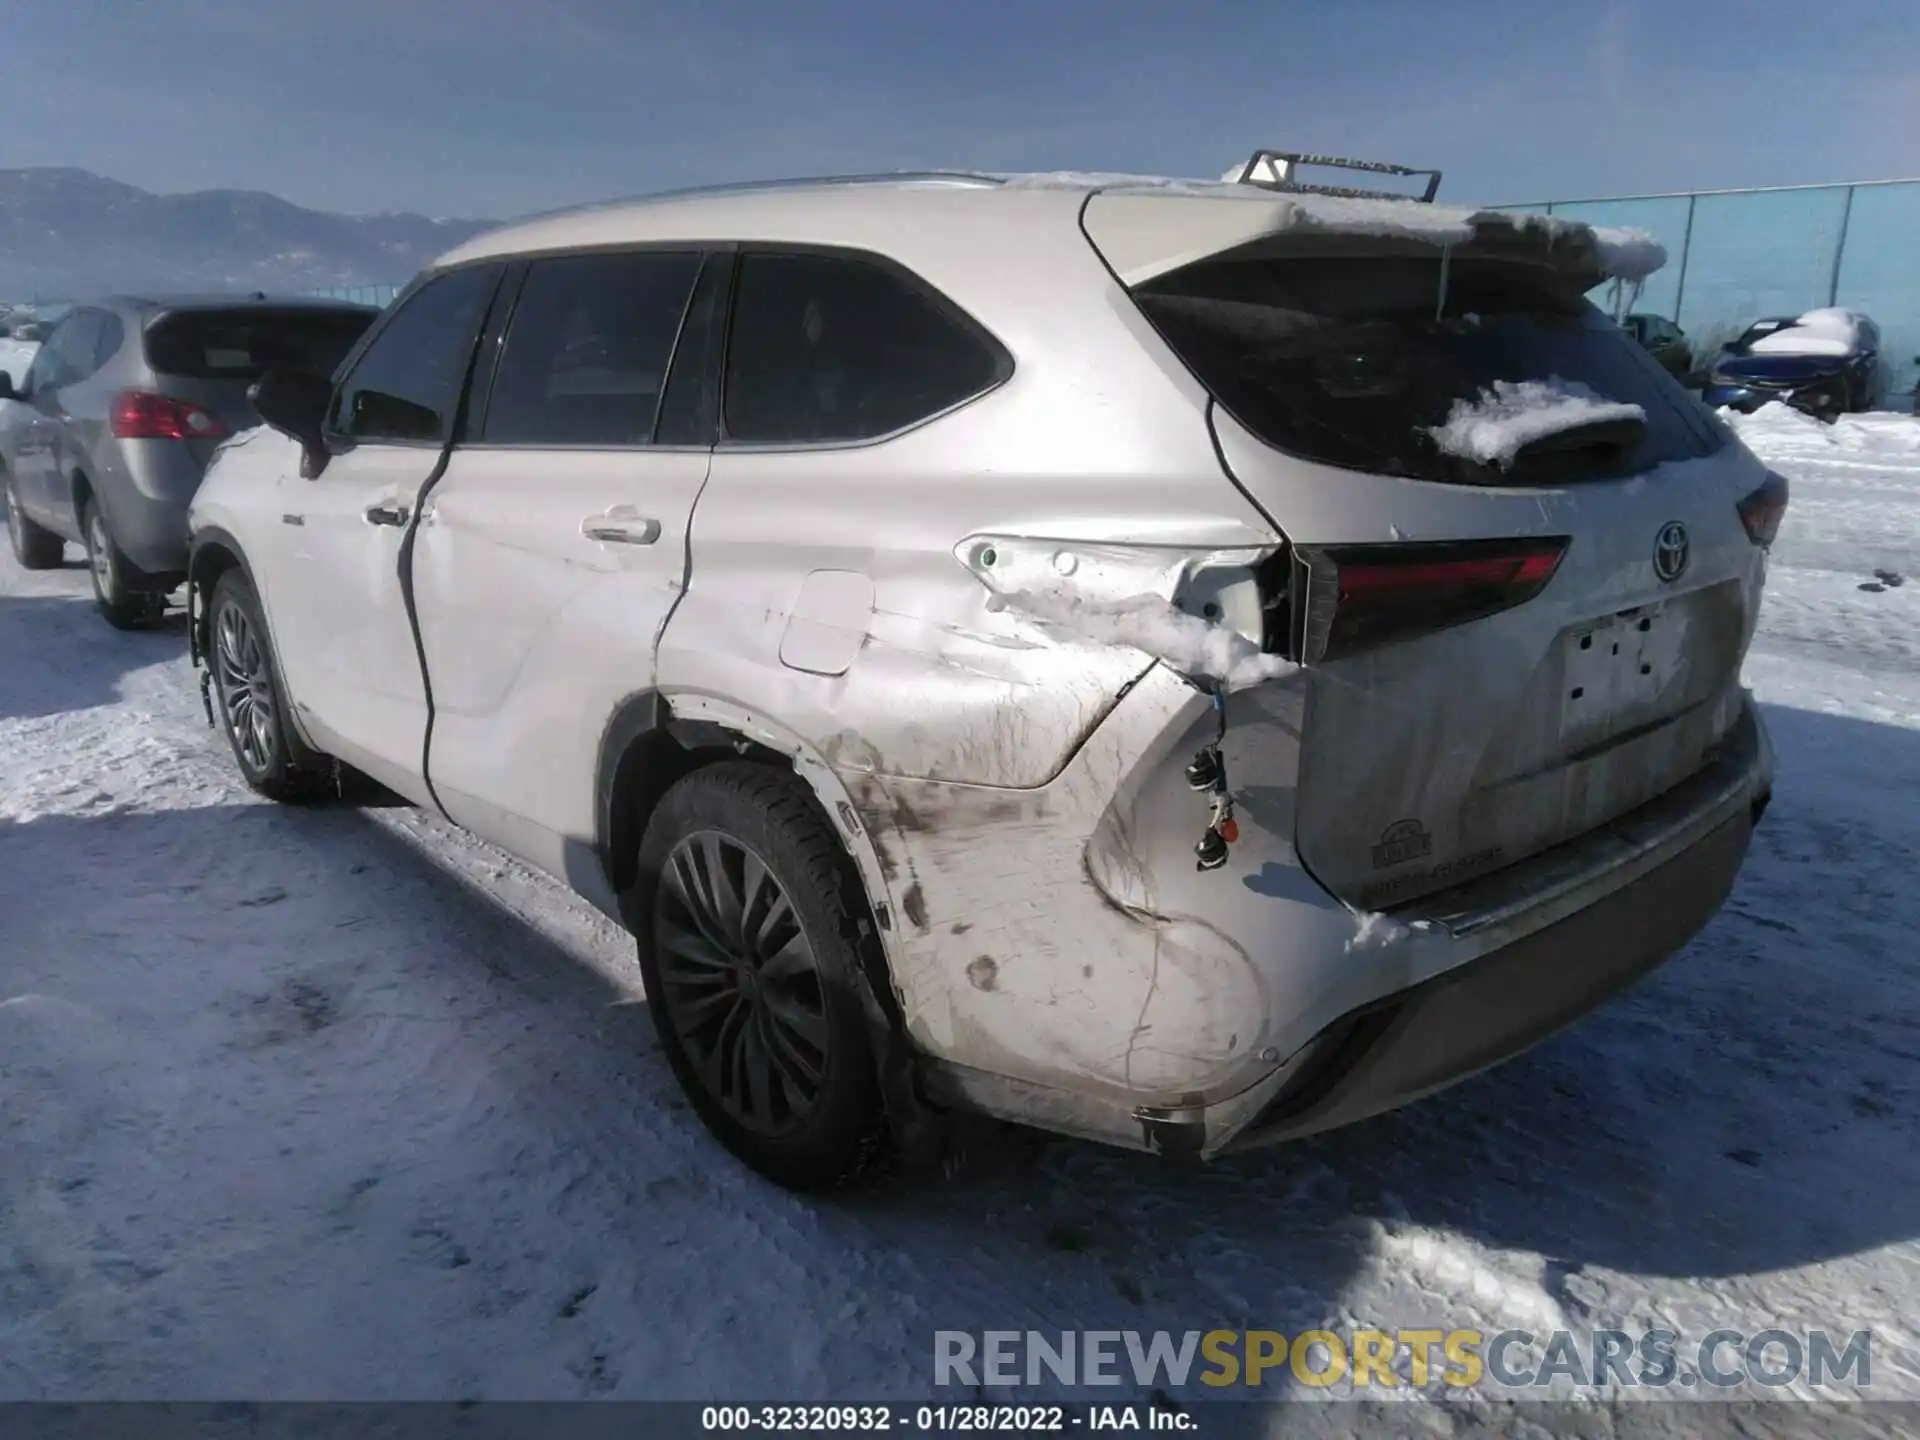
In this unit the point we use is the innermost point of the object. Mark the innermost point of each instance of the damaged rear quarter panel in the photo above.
(1015, 961)
(978, 748)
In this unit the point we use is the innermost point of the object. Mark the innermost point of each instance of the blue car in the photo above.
(1825, 362)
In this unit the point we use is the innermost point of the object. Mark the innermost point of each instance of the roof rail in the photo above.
(1279, 167)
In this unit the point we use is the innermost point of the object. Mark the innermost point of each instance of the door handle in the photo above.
(388, 514)
(620, 529)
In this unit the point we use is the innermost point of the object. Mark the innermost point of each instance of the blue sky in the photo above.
(497, 107)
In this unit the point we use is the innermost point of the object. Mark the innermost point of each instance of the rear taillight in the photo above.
(1343, 599)
(141, 415)
(1763, 510)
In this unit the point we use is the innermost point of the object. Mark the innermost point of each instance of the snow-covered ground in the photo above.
(338, 1103)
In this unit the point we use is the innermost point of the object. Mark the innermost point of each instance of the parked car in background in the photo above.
(839, 584)
(19, 343)
(1825, 362)
(1663, 340)
(121, 410)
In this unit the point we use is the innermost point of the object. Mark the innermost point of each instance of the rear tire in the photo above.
(250, 701)
(34, 546)
(124, 607)
(746, 920)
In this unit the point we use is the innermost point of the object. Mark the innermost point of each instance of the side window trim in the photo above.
(713, 378)
(1004, 363)
(493, 341)
(338, 442)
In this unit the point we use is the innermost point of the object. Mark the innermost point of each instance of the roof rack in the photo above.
(1279, 167)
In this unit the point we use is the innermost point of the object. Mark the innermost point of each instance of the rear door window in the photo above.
(1352, 360)
(841, 348)
(586, 356)
(243, 344)
(70, 353)
(406, 384)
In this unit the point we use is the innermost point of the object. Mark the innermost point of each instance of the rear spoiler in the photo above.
(1274, 170)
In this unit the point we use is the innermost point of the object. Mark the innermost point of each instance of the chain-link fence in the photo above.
(1736, 256)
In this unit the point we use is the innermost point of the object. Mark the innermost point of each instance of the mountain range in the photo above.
(68, 233)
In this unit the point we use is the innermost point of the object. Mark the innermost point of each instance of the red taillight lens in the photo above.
(138, 415)
(1763, 510)
(1353, 597)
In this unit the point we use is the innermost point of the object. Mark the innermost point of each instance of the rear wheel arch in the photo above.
(653, 742)
(213, 553)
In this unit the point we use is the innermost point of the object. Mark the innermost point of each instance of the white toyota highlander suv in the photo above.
(1183, 664)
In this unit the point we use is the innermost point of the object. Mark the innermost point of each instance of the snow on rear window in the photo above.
(1493, 427)
(1818, 332)
(1352, 360)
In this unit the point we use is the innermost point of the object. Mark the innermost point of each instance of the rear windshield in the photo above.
(241, 344)
(1353, 360)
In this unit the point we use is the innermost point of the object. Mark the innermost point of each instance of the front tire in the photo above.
(749, 948)
(34, 546)
(124, 607)
(250, 701)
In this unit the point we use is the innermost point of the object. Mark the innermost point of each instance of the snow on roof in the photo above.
(1818, 332)
(1626, 254)
(1493, 428)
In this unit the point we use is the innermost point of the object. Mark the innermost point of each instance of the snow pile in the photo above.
(1818, 332)
(1396, 219)
(1191, 645)
(1777, 428)
(1628, 254)
(1493, 428)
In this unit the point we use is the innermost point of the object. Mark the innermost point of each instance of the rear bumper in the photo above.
(148, 511)
(1491, 1009)
(1625, 900)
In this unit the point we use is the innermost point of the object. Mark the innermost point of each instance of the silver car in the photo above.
(120, 412)
(1186, 665)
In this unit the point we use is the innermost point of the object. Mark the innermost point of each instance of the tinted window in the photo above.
(241, 344)
(69, 354)
(829, 348)
(407, 384)
(586, 355)
(1344, 360)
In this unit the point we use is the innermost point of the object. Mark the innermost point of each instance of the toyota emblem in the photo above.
(1670, 551)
